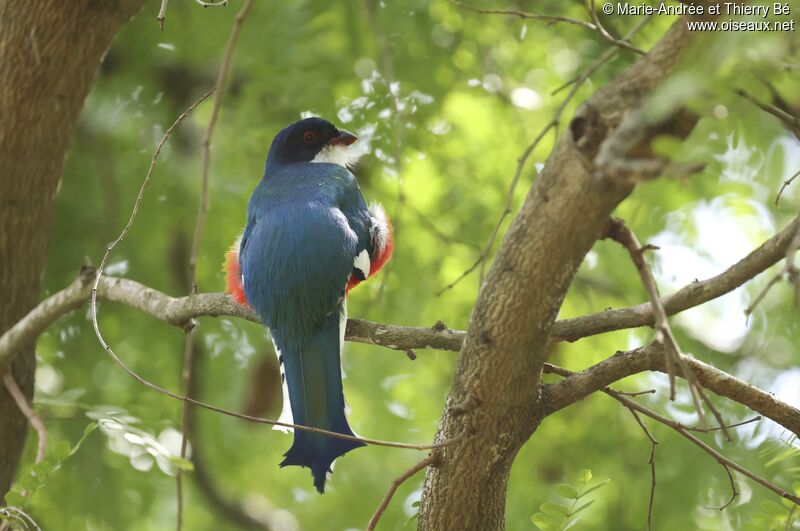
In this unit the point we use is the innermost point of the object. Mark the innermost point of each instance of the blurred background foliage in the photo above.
(445, 101)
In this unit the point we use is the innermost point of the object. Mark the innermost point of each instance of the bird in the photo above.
(309, 238)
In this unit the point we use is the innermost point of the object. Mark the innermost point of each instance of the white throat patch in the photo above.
(338, 154)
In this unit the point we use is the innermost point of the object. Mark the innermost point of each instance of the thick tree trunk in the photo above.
(494, 399)
(49, 53)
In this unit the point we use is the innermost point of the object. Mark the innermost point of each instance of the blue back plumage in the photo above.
(306, 223)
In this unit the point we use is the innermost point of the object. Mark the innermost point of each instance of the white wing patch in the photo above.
(338, 154)
(379, 231)
(286, 409)
(362, 263)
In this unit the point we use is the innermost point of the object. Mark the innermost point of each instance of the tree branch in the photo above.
(651, 358)
(696, 293)
(726, 463)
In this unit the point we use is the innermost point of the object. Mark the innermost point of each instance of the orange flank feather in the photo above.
(233, 277)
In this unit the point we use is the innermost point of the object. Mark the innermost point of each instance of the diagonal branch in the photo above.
(673, 355)
(726, 463)
(694, 294)
(578, 385)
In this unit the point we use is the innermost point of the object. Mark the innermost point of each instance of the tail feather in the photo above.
(313, 374)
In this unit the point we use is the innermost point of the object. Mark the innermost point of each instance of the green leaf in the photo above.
(585, 476)
(544, 522)
(554, 509)
(15, 499)
(89, 429)
(62, 450)
(567, 491)
(594, 488)
(582, 507)
(415, 504)
(182, 463)
(30, 483)
(43, 467)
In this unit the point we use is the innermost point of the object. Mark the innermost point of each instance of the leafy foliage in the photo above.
(554, 516)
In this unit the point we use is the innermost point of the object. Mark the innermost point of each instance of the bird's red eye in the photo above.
(309, 137)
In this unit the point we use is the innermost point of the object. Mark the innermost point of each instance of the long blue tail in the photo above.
(313, 374)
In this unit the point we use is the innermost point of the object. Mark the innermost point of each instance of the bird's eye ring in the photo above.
(309, 137)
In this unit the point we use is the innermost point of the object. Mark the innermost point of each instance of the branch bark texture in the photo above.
(49, 53)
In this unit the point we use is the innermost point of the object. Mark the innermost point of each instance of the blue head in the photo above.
(311, 140)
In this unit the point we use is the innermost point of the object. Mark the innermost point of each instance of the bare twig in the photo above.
(789, 270)
(703, 429)
(607, 36)
(552, 19)
(651, 460)
(162, 14)
(605, 57)
(780, 114)
(186, 377)
(222, 77)
(555, 19)
(622, 234)
(202, 211)
(428, 461)
(127, 228)
(734, 490)
(684, 431)
(553, 124)
(22, 403)
(786, 183)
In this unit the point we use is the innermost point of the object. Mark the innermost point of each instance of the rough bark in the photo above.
(497, 381)
(49, 53)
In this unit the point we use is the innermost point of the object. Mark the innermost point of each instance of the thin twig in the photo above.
(555, 19)
(186, 377)
(789, 518)
(222, 77)
(780, 114)
(553, 124)
(202, 211)
(552, 19)
(619, 232)
(162, 14)
(250, 418)
(428, 461)
(25, 408)
(734, 490)
(789, 270)
(134, 212)
(610, 38)
(684, 431)
(786, 183)
(701, 429)
(605, 57)
(721, 459)
(637, 393)
(651, 460)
